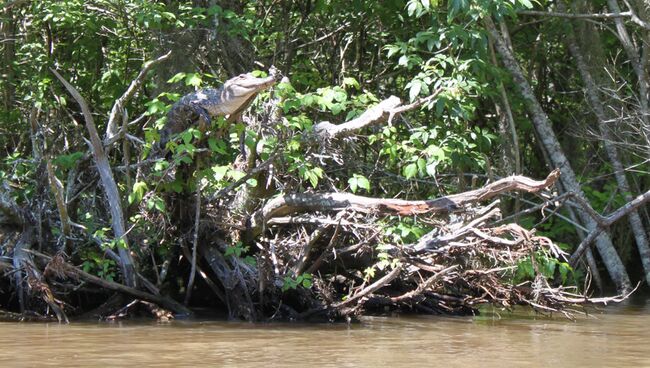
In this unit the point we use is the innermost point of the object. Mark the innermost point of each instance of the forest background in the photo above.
(490, 88)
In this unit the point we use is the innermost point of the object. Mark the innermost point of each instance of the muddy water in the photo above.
(614, 337)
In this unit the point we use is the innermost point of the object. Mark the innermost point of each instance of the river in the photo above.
(615, 336)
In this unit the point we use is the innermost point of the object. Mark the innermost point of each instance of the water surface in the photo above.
(617, 336)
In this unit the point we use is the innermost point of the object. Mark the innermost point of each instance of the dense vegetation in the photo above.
(488, 88)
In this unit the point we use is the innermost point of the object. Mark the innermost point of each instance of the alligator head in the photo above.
(239, 91)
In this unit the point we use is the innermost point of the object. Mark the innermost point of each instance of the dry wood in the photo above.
(10, 212)
(114, 200)
(195, 242)
(57, 189)
(285, 205)
(120, 103)
(370, 288)
(384, 111)
(74, 272)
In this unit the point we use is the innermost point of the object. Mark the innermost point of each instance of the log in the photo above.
(303, 202)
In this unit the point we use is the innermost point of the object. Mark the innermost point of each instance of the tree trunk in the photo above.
(637, 64)
(8, 27)
(591, 91)
(551, 144)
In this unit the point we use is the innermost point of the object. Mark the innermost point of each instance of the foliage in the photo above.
(342, 58)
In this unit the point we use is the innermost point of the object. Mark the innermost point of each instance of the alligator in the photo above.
(201, 106)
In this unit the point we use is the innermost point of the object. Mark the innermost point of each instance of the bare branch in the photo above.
(10, 213)
(118, 106)
(57, 190)
(607, 222)
(615, 15)
(574, 15)
(108, 182)
(371, 288)
(76, 273)
(285, 205)
(385, 110)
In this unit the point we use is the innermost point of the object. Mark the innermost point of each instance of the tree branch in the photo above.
(76, 273)
(607, 222)
(574, 15)
(385, 110)
(292, 203)
(108, 182)
(628, 14)
(118, 106)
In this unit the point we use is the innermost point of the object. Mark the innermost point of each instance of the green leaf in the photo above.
(176, 78)
(421, 163)
(351, 82)
(526, 3)
(353, 184)
(193, 79)
(414, 91)
(364, 183)
(410, 171)
(66, 162)
(139, 188)
(159, 204)
(217, 146)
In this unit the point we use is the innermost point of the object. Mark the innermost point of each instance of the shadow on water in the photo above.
(612, 336)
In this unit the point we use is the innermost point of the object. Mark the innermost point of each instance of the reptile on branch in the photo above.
(201, 106)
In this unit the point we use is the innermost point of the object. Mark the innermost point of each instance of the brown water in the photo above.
(614, 337)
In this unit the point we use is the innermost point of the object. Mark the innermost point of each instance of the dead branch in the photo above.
(370, 288)
(57, 190)
(303, 202)
(195, 241)
(605, 222)
(383, 111)
(575, 15)
(10, 213)
(424, 286)
(614, 15)
(118, 107)
(127, 264)
(75, 273)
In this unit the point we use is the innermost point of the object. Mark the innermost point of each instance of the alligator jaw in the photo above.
(246, 85)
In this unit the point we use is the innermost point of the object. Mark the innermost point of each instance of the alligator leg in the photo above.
(204, 118)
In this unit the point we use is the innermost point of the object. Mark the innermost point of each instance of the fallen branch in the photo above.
(370, 288)
(57, 190)
(288, 204)
(74, 272)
